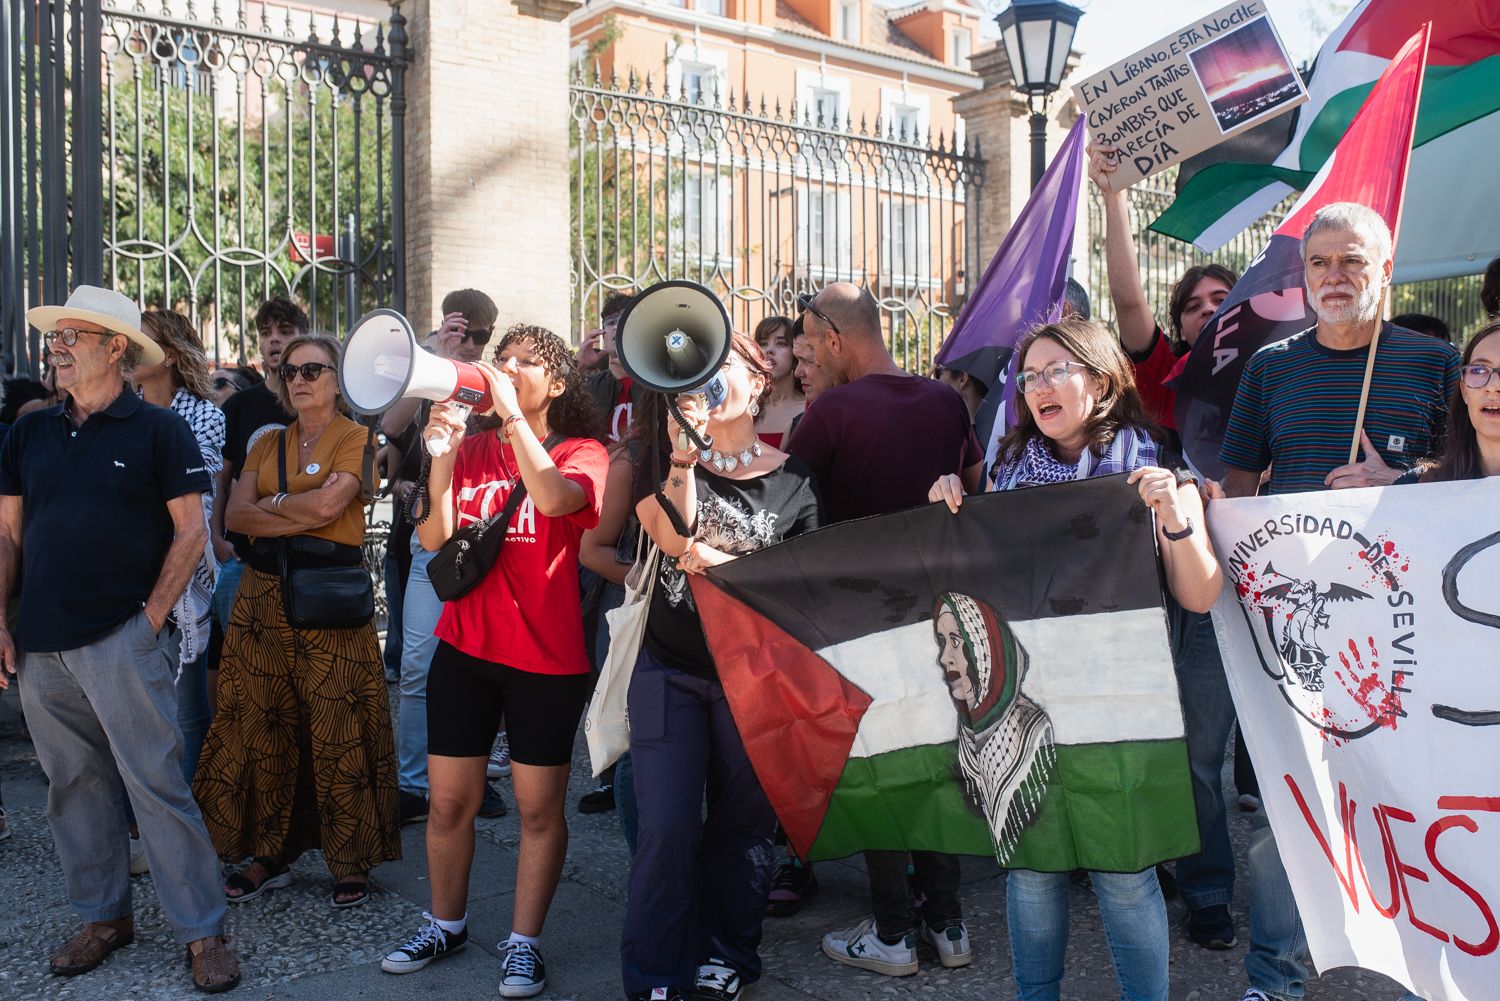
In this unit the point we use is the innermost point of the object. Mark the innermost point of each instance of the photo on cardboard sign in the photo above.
(1246, 75)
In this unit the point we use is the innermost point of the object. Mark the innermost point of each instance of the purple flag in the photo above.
(1021, 287)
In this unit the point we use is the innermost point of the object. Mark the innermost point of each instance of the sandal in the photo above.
(246, 889)
(215, 968)
(91, 946)
(355, 890)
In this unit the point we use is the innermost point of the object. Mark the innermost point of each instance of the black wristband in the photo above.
(1178, 536)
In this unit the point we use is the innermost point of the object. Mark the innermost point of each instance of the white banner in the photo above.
(1361, 635)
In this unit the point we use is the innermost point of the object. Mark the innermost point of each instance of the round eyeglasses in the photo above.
(1053, 375)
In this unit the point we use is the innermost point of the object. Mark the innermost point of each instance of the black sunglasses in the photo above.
(224, 382)
(804, 302)
(310, 371)
(479, 337)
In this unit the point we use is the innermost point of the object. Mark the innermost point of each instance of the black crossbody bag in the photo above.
(323, 596)
(461, 564)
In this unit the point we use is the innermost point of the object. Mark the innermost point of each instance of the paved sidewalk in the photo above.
(293, 945)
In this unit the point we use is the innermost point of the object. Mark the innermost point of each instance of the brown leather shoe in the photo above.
(89, 947)
(215, 969)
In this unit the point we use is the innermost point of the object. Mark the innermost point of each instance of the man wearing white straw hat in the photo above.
(100, 509)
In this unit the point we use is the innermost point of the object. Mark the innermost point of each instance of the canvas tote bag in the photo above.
(607, 723)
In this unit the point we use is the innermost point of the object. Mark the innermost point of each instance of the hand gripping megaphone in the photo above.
(673, 338)
(382, 364)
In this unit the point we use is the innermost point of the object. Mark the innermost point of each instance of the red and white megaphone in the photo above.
(382, 364)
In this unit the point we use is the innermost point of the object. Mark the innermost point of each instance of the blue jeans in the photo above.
(192, 712)
(1276, 962)
(395, 635)
(230, 573)
(1135, 925)
(1207, 878)
(420, 609)
(106, 713)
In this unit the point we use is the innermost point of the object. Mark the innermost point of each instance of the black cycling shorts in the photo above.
(467, 697)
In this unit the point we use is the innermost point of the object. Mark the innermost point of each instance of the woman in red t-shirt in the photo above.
(513, 646)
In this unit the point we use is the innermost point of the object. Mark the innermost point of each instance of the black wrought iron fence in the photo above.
(200, 163)
(1163, 259)
(761, 203)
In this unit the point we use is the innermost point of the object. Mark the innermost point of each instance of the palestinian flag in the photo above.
(1268, 303)
(996, 682)
(1453, 224)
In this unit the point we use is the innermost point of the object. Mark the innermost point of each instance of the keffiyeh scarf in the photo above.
(1130, 449)
(194, 608)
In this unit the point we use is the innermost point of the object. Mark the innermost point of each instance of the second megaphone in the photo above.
(673, 338)
(382, 364)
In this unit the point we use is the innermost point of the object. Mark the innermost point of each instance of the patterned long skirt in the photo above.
(300, 753)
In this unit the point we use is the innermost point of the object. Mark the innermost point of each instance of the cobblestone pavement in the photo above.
(293, 945)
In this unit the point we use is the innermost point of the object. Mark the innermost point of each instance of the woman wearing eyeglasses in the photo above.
(1471, 445)
(300, 755)
(1082, 416)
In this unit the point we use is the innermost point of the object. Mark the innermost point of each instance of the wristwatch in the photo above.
(1178, 536)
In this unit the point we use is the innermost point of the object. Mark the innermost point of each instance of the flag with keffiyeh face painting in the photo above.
(996, 682)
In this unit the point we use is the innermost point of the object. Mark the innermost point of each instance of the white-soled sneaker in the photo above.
(524, 974)
(1251, 994)
(428, 944)
(951, 943)
(860, 946)
(138, 864)
(499, 764)
(717, 981)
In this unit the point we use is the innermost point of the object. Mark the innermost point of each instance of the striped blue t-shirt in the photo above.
(1297, 401)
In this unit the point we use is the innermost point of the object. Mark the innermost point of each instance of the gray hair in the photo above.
(132, 356)
(1355, 218)
(1077, 296)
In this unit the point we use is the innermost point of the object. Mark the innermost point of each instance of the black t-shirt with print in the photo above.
(734, 516)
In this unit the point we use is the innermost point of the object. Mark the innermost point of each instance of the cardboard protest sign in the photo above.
(1192, 90)
(1358, 634)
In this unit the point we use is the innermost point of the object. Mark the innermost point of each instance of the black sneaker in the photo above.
(422, 948)
(790, 888)
(660, 994)
(413, 807)
(717, 981)
(524, 975)
(1212, 927)
(493, 805)
(601, 800)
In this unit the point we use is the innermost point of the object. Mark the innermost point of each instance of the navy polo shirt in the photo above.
(95, 528)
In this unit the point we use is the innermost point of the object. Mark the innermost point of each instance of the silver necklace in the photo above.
(728, 462)
(313, 468)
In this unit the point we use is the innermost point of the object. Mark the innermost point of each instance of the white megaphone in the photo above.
(382, 364)
(673, 338)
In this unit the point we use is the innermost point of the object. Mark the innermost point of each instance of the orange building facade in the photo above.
(782, 183)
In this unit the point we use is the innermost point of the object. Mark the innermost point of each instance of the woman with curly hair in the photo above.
(181, 383)
(513, 645)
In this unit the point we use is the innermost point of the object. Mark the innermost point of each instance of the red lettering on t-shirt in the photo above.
(524, 613)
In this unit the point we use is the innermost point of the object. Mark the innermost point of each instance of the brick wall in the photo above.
(487, 158)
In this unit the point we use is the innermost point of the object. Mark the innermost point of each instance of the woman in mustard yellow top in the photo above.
(300, 754)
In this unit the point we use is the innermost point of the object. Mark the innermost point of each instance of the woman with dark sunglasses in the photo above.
(300, 755)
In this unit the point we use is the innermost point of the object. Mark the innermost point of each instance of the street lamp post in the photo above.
(1038, 35)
